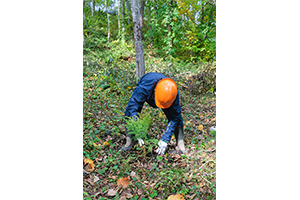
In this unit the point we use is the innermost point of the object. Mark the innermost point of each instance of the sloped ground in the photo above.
(105, 97)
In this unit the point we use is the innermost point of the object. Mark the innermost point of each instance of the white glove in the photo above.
(141, 142)
(162, 147)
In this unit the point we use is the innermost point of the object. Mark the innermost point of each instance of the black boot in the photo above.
(179, 136)
(129, 142)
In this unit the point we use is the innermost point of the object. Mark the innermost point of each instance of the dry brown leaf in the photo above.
(96, 178)
(123, 181)
(112, 192)
(140, 191)
(89, 181)
(89, 165)
(122, 198)
(132, 174)
(191, 196)
(176, 197)
(128, 195)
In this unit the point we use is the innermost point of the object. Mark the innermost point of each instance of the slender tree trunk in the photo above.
(118, 3)
(123, 28)
(170, 27)
(84, 15)
(108, 24)
(127, 5)
(140, 62)
(142, 13)
(150, 27)
(93, 10)
(156, 9)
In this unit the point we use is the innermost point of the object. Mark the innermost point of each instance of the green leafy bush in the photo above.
(139, 126)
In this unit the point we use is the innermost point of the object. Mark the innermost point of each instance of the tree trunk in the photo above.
(93, 10)
(150, 27)
(118, 3)
(108, 24)
(123, 28)
(156, 9)
(142, 13)
(170, 27)
(140, 62)
(127, 5)
(84, 15)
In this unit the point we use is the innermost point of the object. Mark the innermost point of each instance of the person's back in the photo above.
(156, 86)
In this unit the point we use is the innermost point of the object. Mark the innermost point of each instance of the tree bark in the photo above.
(170, 27)
(108, 24)
(93, 10)
(118, 3)
(123, 28)
(84, 15)
(140, 62)
(150, 27)
(127, 5)
(142, 13)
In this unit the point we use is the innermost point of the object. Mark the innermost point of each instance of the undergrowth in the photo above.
(108, 83)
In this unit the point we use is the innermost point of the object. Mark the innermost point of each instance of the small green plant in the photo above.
(139, 125)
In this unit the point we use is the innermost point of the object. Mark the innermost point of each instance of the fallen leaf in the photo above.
(123, 198)
(112, 192)
(96, 145)
(89, 165)
(191, 196)
(123, 181)
(132, 174)
(200, 127)
(140, 191)
(105, 143)
(96, 178)
(89, 181)
(176, 197)
(128, 195)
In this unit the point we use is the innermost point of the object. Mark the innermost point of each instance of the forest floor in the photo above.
(140, 173)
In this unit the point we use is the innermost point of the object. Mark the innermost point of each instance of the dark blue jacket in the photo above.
(144, 92)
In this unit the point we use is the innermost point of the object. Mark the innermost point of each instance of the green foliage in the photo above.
(108, 81)
(139, 125)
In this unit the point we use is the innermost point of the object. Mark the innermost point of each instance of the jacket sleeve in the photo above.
(135, 103)
(173, 114)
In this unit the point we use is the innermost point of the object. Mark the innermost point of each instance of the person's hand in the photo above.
(162, 147)
(141, 142)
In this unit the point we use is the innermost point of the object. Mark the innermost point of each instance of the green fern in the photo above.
(139, 126)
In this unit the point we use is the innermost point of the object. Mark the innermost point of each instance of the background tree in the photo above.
(139, 52)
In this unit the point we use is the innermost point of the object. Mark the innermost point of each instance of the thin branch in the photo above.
(209, 174)
(209, 150)
(206, 163)
(206, 180)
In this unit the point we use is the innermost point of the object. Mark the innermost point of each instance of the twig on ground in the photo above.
(209, 150)
(209, 174)
(202, 166)
(206, 179)
(207, 162)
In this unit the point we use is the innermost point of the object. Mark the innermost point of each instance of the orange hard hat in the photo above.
(165, 93)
